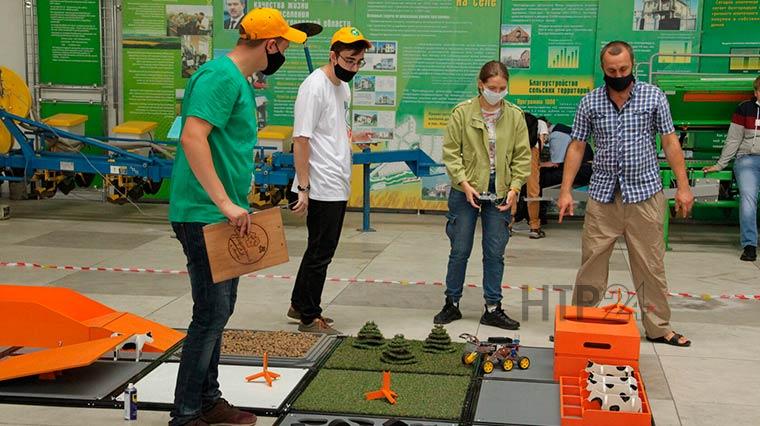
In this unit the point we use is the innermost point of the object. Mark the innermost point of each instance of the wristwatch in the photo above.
(301, 189)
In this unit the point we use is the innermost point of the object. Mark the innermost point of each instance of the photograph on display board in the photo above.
(196, 51)
(436, 188)
(182, 20)
(234, 10)
(515, 34)
(370, 90)
(665, 15)
(364, 83)
(676, 47)
(381, 57)
(516, 57)
(365, 118)
(385, 98)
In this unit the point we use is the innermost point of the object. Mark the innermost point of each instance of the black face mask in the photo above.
(274, 62)
(618, 84)
(343, 74)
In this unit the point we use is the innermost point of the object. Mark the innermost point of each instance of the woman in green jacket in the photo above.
(487, 156)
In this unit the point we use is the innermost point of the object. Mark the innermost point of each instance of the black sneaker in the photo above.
(499, 318)
(450, 312)
(750, 254)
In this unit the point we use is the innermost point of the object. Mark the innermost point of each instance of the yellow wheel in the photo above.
(14, 98)
(524, 363)
(488, 367)
(469, 358)
(508, 365)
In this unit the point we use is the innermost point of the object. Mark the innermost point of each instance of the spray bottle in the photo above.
(130, 403)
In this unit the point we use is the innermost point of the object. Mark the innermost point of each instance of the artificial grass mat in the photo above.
(346, 357)
(419, 395)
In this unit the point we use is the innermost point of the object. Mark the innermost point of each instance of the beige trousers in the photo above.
(642, 226)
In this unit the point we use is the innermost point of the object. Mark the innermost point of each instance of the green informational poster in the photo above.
(163, 44)
(731, 26)
(425, 59)
(276, 94)
(549, 48)
(651, 27)
(68, 33)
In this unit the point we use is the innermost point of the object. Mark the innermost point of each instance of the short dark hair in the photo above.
(615, 48)
(756, 84)
(253, 43)
(355, 47)
(493, 69)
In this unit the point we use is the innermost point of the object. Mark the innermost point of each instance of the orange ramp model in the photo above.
(75, 330)
(384, 392)
(269, 376)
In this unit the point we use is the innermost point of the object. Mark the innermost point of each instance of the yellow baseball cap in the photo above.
(263, 23)
(349, 35)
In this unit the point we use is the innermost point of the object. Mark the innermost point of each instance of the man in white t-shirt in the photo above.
(322, 153)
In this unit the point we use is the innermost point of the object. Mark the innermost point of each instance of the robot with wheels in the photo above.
(507, 356)
(502, 351)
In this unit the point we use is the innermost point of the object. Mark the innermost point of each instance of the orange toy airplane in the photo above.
(269, 376)
(384, 392)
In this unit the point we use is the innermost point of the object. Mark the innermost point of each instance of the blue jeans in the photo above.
(747, 171)
(197, 388)
(460, 229)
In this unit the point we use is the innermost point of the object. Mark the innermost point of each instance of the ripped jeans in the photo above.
(460, 228)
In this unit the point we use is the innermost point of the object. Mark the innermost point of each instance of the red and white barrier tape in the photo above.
(352, 280)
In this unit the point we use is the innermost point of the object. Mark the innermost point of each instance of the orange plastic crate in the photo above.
(575, 410)
(581, 334)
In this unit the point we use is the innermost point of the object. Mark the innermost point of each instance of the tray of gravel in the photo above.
(347, 357)
(420, 395)
(284, 348)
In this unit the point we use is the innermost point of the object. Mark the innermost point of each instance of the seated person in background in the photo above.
(551, 171)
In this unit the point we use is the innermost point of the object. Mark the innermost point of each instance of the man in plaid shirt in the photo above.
(625, 195)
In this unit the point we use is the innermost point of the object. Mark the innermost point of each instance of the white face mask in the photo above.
(492, 97)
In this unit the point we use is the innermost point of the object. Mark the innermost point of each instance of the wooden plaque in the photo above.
(231, 255)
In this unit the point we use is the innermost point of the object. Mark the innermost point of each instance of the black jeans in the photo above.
(197, 388)
(324, 222)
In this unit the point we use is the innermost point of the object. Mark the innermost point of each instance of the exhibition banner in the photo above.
(549, 48)
(731, 26)
(276, 94)
(425, 59)
(163, 44)
(651, 27)
(68, 33)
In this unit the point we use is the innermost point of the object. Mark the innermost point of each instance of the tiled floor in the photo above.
(716, 382)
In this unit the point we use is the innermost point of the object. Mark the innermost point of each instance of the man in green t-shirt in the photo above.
(210, 183)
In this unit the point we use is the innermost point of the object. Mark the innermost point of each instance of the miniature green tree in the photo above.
(369, 337)
(438, 342)
(398, 352)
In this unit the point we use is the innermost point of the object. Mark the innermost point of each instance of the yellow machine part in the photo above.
(14, 98)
